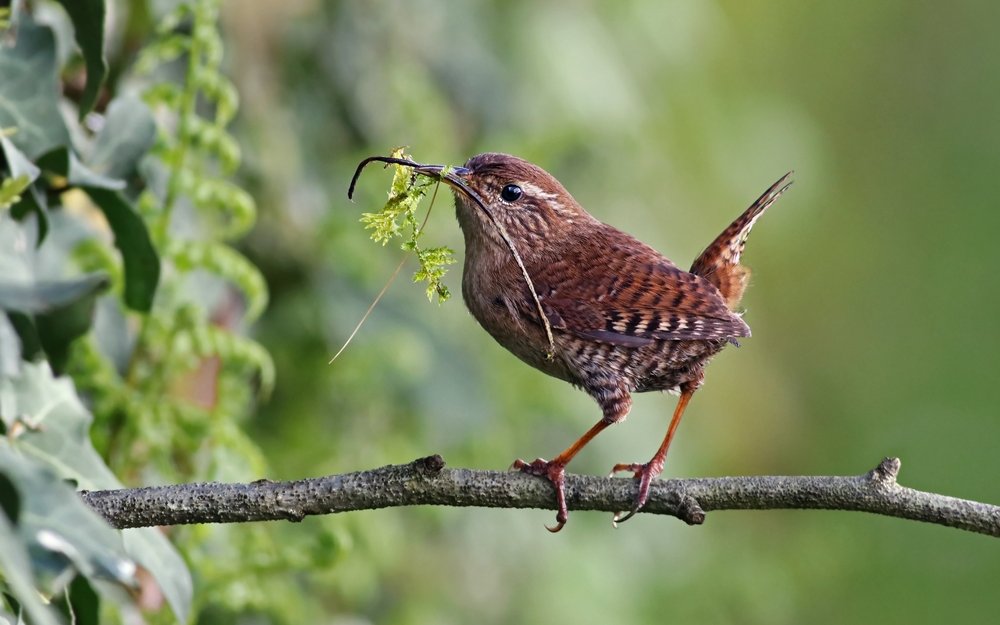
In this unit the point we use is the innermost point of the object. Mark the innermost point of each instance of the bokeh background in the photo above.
(873, 303)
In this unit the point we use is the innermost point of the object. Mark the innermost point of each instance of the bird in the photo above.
(586, 303)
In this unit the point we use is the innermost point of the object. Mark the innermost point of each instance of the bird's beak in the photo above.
(437, 170)
(448, 174)
(455, 177)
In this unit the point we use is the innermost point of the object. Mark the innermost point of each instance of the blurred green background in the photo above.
(873, 302)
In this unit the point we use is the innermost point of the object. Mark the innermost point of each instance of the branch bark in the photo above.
(427, 482)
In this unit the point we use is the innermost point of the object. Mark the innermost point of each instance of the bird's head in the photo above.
(527, 202)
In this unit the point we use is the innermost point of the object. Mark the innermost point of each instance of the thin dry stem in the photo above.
(386, 286)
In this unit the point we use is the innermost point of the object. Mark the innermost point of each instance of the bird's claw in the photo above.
(555, 473)
(645, 474)
(560, 523)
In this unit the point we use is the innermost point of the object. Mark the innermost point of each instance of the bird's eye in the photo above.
(511, 193)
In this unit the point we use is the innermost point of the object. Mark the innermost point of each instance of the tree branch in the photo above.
(427, 482)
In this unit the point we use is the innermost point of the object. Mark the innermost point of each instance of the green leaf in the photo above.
(33, 201)
(142, 264)
(58, 328)
(81, 176)
(29, 90)
(45, 314)
(58, 528)
(10, 500)
(17, 162)
(64, 311)
(10, 349)
(84, 603)
(58, 437)
(15, 255)
(128, 134)
(11, 190)
(88, 22)
(64, 162)
(24, 327)
(16, 566)
(50, 295)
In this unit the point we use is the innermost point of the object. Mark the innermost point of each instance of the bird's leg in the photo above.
(615, 402)
(646, 472)
(555, 471)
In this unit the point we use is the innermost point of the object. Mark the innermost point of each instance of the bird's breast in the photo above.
(496, 294)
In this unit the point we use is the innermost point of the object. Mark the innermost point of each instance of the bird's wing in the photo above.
(628, 294)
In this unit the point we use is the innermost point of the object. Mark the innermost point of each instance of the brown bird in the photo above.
(619, 317)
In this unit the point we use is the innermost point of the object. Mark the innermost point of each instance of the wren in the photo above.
(619, 317)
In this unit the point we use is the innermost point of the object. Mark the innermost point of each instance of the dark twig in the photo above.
(427, 482)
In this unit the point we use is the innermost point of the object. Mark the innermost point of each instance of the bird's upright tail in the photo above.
(720, 262)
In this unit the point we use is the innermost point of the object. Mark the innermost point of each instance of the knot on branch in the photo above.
(429, 466)
(293, 515)
(885, 474)
(690, 511)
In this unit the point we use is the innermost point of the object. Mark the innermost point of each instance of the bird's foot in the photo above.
(645, 473)
(554, 472)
